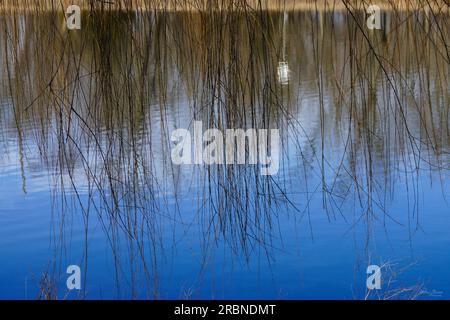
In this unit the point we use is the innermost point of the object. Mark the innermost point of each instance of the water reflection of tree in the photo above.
(100, 105)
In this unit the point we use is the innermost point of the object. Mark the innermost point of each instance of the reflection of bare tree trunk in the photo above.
(17, 45)
(386, 24)
(285, 21)
(427, 20)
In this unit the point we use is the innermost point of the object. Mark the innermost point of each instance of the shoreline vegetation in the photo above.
(205, 5)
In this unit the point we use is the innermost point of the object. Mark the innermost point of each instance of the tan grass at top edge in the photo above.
(201, 5)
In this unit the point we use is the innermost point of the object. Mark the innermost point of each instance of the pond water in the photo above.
(86, 176)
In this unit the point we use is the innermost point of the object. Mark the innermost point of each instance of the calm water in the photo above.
(86, 176)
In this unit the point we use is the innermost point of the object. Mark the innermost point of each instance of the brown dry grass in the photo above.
(188, 5)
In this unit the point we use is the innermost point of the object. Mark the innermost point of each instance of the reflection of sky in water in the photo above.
(318, 250)
(311, 254)
(320, 264)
